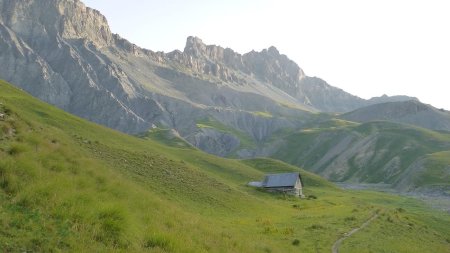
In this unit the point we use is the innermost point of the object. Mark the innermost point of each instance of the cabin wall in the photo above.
(287, 190)
(298, 184)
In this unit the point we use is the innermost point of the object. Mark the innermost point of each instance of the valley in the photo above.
(106, 146)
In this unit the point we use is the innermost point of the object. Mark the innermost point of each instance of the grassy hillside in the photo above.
(374, 152)
(437, 171)
(70, 185)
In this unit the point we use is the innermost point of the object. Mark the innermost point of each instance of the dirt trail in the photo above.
(336, 244)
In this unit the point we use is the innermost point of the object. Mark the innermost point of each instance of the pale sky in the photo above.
(367, 48)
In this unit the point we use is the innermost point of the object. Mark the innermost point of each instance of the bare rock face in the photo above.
(328, 98)
(44, 21)
(20, 64)
(272, 67)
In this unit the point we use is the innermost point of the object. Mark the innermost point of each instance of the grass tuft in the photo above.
(113, 224)
(316, 227)
(17, 149)
(159, 241)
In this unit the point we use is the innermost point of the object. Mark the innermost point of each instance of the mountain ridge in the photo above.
(411, 112)
(94, 69)
(226, 103)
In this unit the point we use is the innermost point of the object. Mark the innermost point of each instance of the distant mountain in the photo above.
(64, 53)
(385, 98)
(410, 112)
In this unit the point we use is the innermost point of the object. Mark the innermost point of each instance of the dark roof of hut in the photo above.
(281, 180)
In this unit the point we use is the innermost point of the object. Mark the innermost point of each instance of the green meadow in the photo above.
(68, 185)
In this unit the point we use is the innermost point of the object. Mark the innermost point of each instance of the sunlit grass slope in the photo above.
(389, 142)
(436, 171)
(70, 185)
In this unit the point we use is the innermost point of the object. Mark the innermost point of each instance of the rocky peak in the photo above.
(216, 54)
(273, 51)
(209, 60)
(69, 19)
(195, 47)
(271, 66)
(268, 65)
(83, 22)
(268, 61)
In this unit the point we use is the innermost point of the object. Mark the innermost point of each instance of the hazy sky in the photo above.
(367, 48)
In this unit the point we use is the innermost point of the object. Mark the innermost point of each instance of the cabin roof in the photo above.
(281, 180)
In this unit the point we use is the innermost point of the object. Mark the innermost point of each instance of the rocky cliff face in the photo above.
(44, 21)
(64, 53)
(56, 57)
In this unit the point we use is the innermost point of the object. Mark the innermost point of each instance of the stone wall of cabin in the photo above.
(287, 190)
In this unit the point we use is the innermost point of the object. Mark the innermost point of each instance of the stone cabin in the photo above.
(290, 183)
